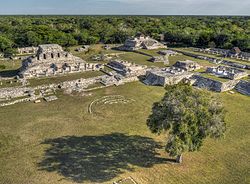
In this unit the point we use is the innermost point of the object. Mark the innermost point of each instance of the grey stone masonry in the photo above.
(52, 60)
(166, 76)
(127, 68)
(227, 72)
(27, 50)
(141, 41)
(187, 65)
(243, 87)
(214, 85)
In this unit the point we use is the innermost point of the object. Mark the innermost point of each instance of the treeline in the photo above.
(221, 32)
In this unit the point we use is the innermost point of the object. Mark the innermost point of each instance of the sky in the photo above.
(126, 7)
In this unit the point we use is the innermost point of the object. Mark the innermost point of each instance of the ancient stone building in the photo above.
(160, 59)
(235, 52)
(243, 87)
(227, 72)
(141, 41)
(27, 50)
(84, 48)
(51, 60)
(126, 68)
(214, 85)
(187, 65)
(167, 53)
(166, 76)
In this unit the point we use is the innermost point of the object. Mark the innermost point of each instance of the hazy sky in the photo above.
(145, 7)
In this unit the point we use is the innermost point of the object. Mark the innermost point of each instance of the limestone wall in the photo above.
(214, 85)
(243, 87)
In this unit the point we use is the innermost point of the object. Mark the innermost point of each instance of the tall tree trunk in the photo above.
(179, 159)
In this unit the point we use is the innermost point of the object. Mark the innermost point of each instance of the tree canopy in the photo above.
(189, 116)
(200, 31)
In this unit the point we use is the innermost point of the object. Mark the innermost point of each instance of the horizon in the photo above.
(126, 7)
(132, 15)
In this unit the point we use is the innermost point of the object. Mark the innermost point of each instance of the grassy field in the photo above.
(94, 50)
(60, 142)
(139, 59)
(10, 65)
(58, 79)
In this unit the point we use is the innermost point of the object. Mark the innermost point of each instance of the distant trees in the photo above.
(188, 116)
(6, 46)
(224, 32)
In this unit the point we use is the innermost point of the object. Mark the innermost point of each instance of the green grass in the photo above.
(10, 65)
(139, 59)
(58, 79)
(60, 142)
(94, 50)
(7, 83)
(151, 52)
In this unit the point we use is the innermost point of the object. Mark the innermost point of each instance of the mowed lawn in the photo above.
(60, 142)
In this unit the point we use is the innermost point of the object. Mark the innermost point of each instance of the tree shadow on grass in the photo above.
(99, 158)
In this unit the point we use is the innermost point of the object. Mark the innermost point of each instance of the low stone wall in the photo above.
(159, 80)
(225, 62)
(243, 87)
(14, 92)
(20, 101)
(214, 85)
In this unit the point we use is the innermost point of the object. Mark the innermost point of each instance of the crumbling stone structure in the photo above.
(167, 53)
(187, 65)
(227, 72)
(216, 61)
(126, 68)
(160, 59)
(84, 48)
(214, 85)
(51, 60)
(235, 52)
(166, 76)
(141, 41)
(27, 50)
(243, 87)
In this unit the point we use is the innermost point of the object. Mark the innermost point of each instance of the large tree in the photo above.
(189, 116)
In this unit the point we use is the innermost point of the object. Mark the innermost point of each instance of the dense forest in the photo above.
(202, 31)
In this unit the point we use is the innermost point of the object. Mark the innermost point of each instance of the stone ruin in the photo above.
(160, 59)
(243, 87)
(216, 60)
(187, 65)
(227, 72)
(235, 53)
(84, 48)
(106, 47)
(212, 84)
(50, 98)
(108, 100)
(167, 53)
(126, 68)
(27, 50)
(141, 41)
(51, 60)
(166, 76)
(232, 74)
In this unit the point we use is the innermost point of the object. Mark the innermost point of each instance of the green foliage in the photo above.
(5, 43)
(2, 67)
(189, 115)
(224, 32)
